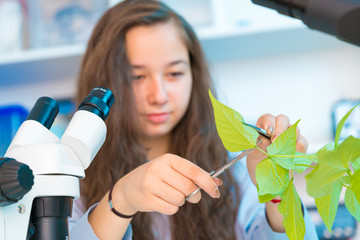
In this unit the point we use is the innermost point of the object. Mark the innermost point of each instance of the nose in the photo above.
(158, 92)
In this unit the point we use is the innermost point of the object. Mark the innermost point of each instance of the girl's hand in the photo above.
(162, 185)
(274, 127)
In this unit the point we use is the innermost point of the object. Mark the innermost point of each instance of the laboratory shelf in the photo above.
(228, 29)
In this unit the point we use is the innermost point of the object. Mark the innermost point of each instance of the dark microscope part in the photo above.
(44, 111)
(16, 179)
(340, 18)
(98, 102)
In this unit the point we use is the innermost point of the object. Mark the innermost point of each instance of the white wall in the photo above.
(26, 93)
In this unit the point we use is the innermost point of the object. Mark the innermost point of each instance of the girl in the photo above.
(162, 139)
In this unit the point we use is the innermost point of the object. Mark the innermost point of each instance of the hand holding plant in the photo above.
(335, 166)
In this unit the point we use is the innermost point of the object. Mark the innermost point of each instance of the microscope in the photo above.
(340, 18)
(39, 175)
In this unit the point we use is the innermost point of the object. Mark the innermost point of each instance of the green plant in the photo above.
(336, 166)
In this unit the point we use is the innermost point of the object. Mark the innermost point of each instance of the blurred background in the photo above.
(261, 61)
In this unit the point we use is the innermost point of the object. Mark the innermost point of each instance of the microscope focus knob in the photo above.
(16, 179)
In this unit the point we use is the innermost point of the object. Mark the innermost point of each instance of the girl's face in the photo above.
(161, 76)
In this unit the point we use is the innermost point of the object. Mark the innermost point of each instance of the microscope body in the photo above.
(57, 166)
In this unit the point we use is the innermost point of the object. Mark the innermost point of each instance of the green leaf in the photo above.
(345, 179)
(304, 161)
(354, 184)
(332, 165)
(351, 150)
(356, 164)
(265, 198)
(330, 146)
(285, 144)
(341, 125)
(233, 133)
(326, 173)
(328, 205)
(271, 178)
(341, 156)
(352, 204)
(290, 208)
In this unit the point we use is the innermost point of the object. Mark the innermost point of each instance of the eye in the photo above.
(137, 77)
(176, 74)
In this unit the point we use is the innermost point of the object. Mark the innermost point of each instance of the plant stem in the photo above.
(305, 165)
(349, 172)
(293, 156)
(292, 174)
(262, 151)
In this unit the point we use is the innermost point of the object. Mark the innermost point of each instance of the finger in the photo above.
(282, 123)
(178, 181)
(199, 176)
(168, 194)
(297, 133)
(218, 181)
(195, 198)
(267, 122)
(161, 206)
(301, 145)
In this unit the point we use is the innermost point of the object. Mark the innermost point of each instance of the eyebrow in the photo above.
(180, 61)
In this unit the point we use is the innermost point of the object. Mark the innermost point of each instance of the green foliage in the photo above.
(352, 204)
(332, 172)
(271, 177)
(326, 174)
(330, 146)
(327, 205)
(356, 164)
(354, 184)
(233, 133)
(345, 180)
(341, 125)
(266, 198)
(285, 144)
(351, 150)
(290, 208)
(302, 162)
(336, 166)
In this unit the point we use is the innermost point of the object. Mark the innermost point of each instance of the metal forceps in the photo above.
(219, 171)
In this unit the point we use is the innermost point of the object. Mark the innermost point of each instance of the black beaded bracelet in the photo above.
(113, 209)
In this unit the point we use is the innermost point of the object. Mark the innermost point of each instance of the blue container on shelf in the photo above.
(11, 117)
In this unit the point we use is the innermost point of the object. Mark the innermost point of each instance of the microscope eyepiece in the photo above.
(98, 102)
(44, 111)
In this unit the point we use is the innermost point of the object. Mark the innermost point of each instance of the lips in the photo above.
(157, 118)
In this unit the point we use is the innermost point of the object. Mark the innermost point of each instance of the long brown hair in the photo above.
(195, 138)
